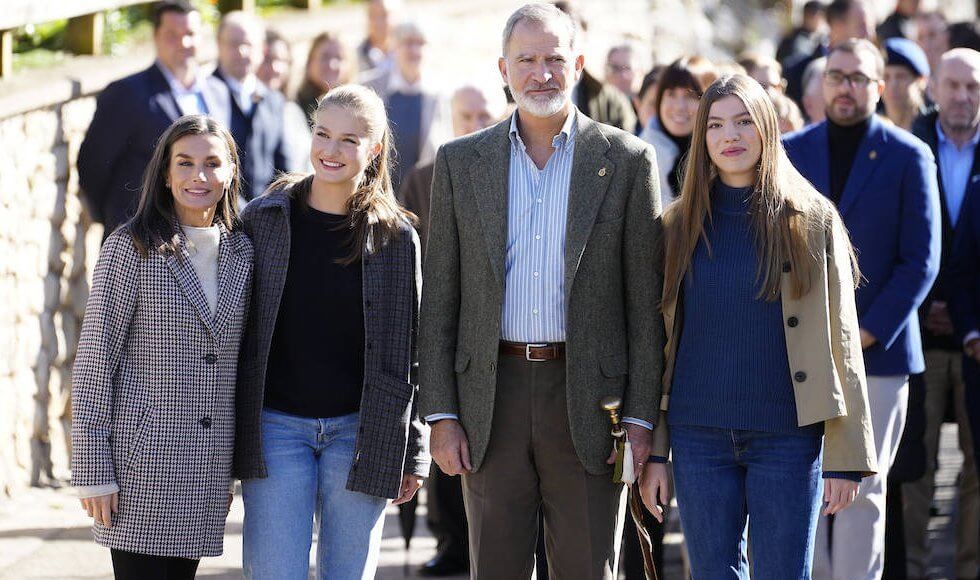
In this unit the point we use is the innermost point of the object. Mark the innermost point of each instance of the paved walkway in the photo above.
(45, 535)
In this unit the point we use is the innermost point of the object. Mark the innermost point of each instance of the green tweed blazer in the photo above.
(613, 281)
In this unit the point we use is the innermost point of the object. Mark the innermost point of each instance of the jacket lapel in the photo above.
(591, 173)
(233, 269)
(183, 270)
(490, 176)
(820, 160)
(867, 160)
(161, 94)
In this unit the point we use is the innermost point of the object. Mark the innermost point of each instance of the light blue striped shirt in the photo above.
(955, 164)
(537, 213)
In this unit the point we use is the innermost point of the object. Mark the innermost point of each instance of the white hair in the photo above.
(408, 29)
(541, 14)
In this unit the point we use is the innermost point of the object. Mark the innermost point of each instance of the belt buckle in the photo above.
(527, 352)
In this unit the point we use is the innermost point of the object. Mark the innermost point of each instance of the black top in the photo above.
(844, 143)
(316, 363)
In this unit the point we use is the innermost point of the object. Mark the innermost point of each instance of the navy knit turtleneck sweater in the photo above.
(732, 370)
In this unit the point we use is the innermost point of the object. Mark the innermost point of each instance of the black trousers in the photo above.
(132, 566)
(447, 516)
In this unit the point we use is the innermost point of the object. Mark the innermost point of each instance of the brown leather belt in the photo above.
(534, 352)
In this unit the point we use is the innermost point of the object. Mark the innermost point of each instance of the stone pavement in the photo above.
(44, 535)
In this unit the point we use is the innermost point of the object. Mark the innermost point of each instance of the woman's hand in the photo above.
(838, 494)
(101, 508)
(410, 485)
(655, 489)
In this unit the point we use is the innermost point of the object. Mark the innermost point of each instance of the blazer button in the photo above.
(369, 346)
(800, 376)
(205, 422)
(210, 358)
(787, 267)
(492, 367)
(793, 322)
(367, 304)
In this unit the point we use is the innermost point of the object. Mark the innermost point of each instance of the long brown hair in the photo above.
(309, 92)
(784, 207)
(374, 216)
(155, 222)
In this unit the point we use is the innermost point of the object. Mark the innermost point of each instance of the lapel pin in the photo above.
(602, 172)
(873, 155)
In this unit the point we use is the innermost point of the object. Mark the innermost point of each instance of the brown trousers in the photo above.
(531, 464)
(944, 373)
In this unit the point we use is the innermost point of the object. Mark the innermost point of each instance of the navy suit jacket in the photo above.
(963, 272)
(925, 128)
(260, 141)
(890, 206)
(130, 116)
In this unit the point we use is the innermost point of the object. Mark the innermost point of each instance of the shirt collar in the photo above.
(943, 140)
(176, 87)
(398, 84)
(564, 136)
(249, 86)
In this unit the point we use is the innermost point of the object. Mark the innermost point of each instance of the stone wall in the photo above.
(46, 245)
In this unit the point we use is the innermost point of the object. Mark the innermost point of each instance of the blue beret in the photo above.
(904, 52)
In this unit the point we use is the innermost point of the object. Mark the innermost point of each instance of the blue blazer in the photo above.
(890, 206)
(260, 140)
(963, 271)
(130, 116)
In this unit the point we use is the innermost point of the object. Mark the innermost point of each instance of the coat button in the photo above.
(369, 346)
(793, 322)
(800, 376)
(210, 358)
(205, 422)
(492, 367)
(367, 304)
(787, 267)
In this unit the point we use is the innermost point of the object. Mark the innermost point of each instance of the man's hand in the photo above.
(867, 339)
(938, 321)
(410, 484)
(449, 447)
(641, 439)
(102, 507)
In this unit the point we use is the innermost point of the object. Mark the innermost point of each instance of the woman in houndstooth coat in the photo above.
(153, 392)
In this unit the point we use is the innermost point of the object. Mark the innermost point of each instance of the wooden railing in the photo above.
(86, 20)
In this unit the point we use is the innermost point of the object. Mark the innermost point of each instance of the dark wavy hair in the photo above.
(155, 222)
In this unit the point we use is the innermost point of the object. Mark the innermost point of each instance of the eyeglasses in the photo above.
(619, 68)
(856, 80)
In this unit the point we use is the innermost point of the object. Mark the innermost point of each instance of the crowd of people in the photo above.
(773, 261)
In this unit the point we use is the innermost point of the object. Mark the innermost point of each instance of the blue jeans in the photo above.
(308, 461)
(725, 477)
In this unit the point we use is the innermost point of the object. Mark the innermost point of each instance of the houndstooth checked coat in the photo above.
(153, 394)
(391, 439)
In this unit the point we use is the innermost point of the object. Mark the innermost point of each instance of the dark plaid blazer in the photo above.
(391, 439)
(153, 394)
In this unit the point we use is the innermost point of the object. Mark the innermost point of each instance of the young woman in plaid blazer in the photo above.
(153, 390)
(327, 425)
